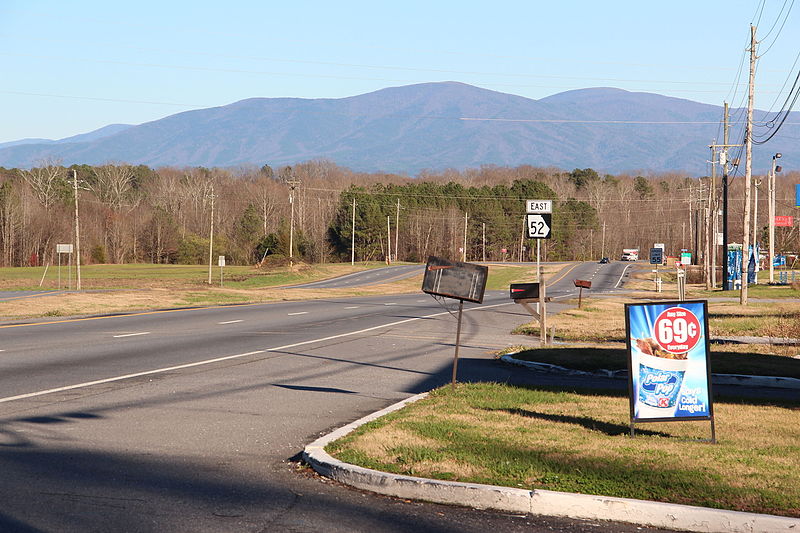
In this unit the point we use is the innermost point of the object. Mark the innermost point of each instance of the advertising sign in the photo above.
(668, 356)
(785, 221)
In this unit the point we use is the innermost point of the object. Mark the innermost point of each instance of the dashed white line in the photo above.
(352, 307)
(231, 322)
(229, 357)
(132, 334)
(298, 313)
(390, 303)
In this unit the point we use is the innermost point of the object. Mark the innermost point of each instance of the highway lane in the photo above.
(205, 447)
(53, 354)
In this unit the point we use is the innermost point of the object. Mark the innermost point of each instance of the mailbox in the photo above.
(524, 291)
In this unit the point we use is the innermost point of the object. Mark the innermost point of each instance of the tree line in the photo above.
(134, 214)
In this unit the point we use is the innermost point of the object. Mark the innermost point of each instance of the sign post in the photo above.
(462, 281)
(668, 362)
(65, 249)
(221, 263)
(656, 258)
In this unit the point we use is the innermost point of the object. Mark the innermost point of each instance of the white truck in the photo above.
(630, 254)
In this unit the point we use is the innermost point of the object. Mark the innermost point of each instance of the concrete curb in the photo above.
(716, 379)
(541, 502)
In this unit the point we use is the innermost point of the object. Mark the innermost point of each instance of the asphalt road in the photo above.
(187, 420)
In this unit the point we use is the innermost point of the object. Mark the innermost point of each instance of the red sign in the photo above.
(583, 283)
(677, 330)
(784, 221)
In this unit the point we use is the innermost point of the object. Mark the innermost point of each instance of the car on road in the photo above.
(604, 260)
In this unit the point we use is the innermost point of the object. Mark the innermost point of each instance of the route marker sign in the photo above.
(540, 226)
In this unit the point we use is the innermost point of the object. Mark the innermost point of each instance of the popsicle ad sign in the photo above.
(668, 362)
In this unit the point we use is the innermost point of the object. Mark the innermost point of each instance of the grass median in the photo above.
(577, 441)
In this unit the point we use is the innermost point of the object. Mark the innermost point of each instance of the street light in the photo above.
(771, 182)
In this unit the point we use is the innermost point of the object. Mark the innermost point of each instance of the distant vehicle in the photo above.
(630, 254)
(604, 260)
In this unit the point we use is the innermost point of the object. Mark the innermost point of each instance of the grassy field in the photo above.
(578, 441)
(126, 288)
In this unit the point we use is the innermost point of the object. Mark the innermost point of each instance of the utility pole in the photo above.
(396, 228)
(707, 242)
(723, 161)
(353, 236)
(388, 241)
(483, 231)
(211, 235)
(77, 231)
(603, 245)
(771, 194)
(748, 169)
(711, 225)
(292, 184)
(466, 215)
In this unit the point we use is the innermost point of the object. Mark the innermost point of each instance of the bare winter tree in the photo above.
(46, 180)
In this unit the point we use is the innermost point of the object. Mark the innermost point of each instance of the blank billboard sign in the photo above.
(453, 279)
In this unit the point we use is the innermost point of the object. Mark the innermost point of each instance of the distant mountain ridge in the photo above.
(415, 127)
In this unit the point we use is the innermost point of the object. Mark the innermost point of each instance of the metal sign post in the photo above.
(451, 279)
(221, 263)
(65, 249)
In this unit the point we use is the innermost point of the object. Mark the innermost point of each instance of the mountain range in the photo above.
(424, 126)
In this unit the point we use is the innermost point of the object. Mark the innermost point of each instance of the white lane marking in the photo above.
(352, 307)
(620, 277)
(298, 313)
(418, 301)
(237, 356)
(390, 303)
(127, 376)
(231, 322)
(132, 334)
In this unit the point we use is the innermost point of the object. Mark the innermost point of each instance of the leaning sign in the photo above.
(668, 362)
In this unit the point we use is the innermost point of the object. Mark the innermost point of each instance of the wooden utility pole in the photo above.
(396, 228)
(211, 236)
(388, 241)
(292, 184)
(483, 232)
(77, 232)
(748, 169)
(353, 236)
(603, 243)
(466, 216)
(724, 162)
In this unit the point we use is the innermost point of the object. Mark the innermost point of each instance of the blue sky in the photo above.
(72, 67)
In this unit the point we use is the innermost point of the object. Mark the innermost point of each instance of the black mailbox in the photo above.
(522, 291)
